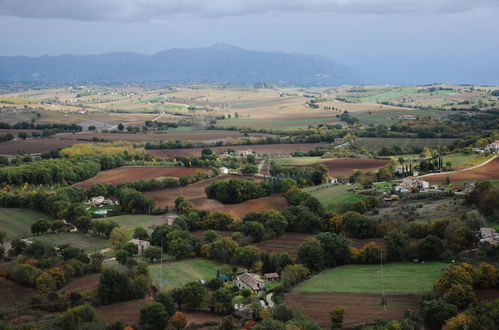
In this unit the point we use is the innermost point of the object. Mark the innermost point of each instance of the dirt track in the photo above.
(487, 171)
(135, 173)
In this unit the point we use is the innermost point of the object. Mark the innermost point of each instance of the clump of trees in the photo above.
(236, 191)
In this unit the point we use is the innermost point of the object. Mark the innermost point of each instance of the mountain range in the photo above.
(220, 63)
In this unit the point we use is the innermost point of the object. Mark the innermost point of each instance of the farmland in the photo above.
(336, 194)
(405, 143)
(337, 167)
(17, 222)
(281, 149)
(78, 240)
(135, 173)
(177, 273)
(196, 195)
(13, 294)
(358, 289)
(288, 243)
(401, 278)
(488, 171)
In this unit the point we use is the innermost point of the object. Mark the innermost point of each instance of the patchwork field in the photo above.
(337, 194)
(282, 149)
(33, 146)
(373, 144)
(135, 173)
(489, 171)
(78, 240)
(401, 278)
(290, 243)
(359, 308)
(17, 222)
(337, 167)
(178, 273)
(359, 290)
(83, 284)
(196, 195)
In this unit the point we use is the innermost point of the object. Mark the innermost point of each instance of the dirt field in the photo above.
(135, 173)
(13, 294)
(282, 149)
(202, 135)
(489, 171)
(126, 311)
(83, 284)
(290, 242)
(33, 146)
(195, 194)
(487, 295)
(360, 308)
(344, 166)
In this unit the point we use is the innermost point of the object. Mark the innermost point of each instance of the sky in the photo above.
(435, 39)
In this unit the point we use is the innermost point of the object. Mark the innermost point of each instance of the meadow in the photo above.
(86, 242)
(178, 273)
(17, 222)
(398, 278)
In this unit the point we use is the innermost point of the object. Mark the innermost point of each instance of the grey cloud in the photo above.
(149, 10)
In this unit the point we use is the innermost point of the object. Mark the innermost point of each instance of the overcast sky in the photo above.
(370, 35)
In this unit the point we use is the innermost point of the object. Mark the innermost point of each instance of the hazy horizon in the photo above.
(387, 40)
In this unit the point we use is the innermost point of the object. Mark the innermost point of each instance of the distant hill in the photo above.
(220, 63)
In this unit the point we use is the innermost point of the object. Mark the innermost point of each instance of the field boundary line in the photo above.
(463, 170)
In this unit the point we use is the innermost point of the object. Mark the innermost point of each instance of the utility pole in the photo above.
(383, 282)
(161, 285)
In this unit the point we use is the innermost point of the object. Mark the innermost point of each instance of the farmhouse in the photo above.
(493, 147)
(250, 281)
(407, 117)
(412, 183)
(271, 277)
(141, 244)
(245, 152)
(224, 170)
(489, 235)
(101, 201)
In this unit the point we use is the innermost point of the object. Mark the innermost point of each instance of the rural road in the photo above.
(269, 299)
(463, 170)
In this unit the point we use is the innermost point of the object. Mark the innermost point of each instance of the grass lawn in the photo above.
(17, 222)
(399, 278)
(467, 160)
(178, 273)
(138, 220)
(78, 240)
(388, 95)
(336, 194)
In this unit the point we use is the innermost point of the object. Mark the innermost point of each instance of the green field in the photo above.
(457, 160)
(177, 273)
(78, 240)
(398, 278)
(392, 94)
(390, 117)
(305, 121)
(336, 194)
(373, 144)
(17, 222)
(138, 220)
(298, 161)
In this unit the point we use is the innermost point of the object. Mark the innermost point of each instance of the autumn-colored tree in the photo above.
(456, 274)
(336, 316)
(458, 322)
(488, 276)
(178, 321)
(461, 296)
(45, 283)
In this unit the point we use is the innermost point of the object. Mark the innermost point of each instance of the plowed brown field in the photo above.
(135, 173)
(489, 171)
(195, 194)
(360, 307)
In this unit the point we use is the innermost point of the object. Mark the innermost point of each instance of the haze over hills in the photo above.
(220, 63)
